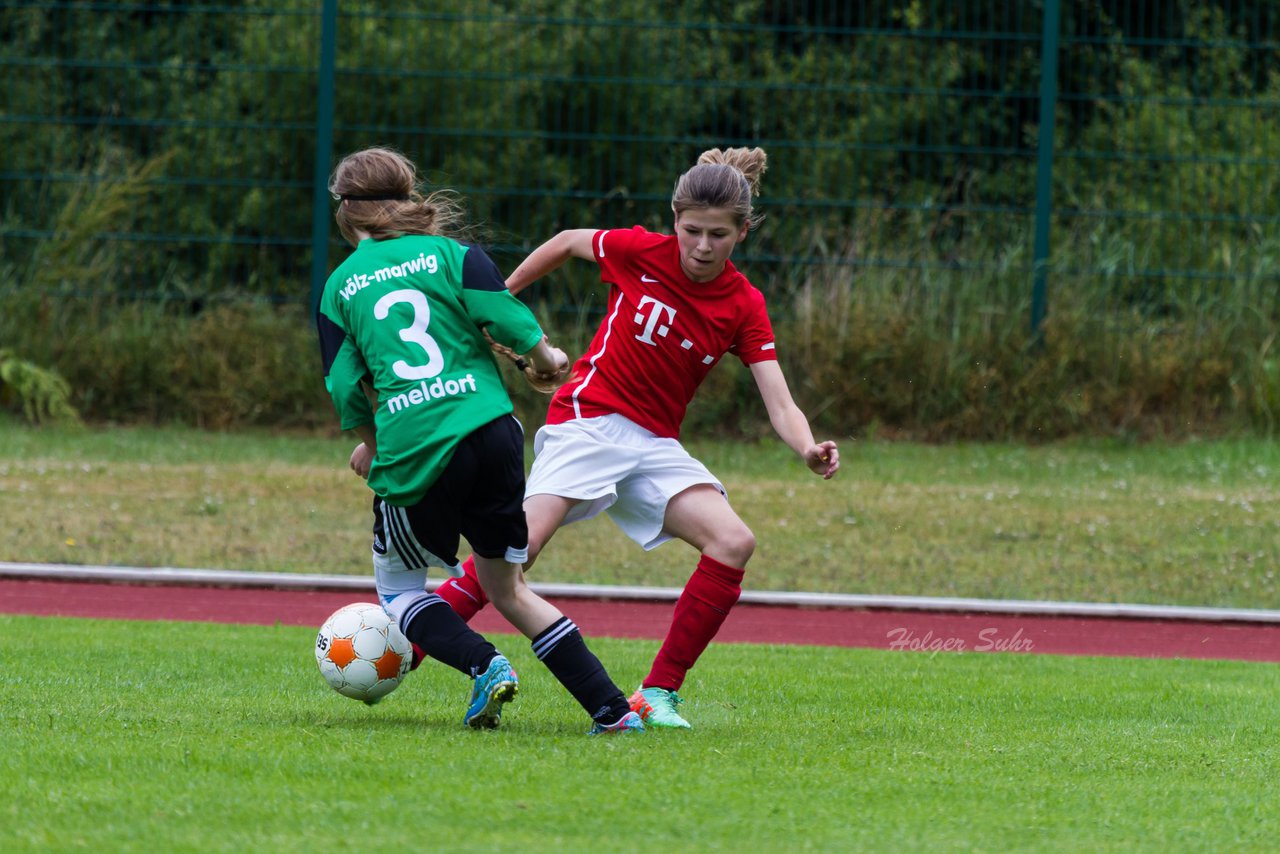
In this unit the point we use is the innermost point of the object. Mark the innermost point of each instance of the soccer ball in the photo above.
(362, 653)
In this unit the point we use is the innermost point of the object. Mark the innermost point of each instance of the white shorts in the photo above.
(610, 463)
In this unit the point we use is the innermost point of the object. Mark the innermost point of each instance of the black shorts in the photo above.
(480, 496)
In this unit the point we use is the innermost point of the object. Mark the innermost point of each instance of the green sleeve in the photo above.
(492, 307)
(508, 320)
(343, 384)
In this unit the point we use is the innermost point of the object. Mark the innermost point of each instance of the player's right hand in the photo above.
(549, 380)
(361, 459)
(561, 360)
(824, 459)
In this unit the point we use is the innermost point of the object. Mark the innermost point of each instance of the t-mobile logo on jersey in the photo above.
(658, 312)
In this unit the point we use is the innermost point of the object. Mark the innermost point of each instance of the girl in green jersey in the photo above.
(402, 324)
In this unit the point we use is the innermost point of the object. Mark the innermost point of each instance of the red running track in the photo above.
(926, 631)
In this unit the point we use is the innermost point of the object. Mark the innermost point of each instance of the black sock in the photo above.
(441, 633)
(561, 648)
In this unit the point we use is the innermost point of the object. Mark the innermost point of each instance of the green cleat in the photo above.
(657, 708)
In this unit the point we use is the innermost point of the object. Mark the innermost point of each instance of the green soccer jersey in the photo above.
(405, 316)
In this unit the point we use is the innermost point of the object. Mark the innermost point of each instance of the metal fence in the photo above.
(181, 149)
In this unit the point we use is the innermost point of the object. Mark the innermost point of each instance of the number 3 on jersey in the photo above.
(414, 333)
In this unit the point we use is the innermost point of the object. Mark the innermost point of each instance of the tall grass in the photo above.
(928, 354)
(950, 354)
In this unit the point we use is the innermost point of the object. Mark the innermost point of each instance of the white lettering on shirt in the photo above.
(653, 324)
(360, 281)
(436, 390)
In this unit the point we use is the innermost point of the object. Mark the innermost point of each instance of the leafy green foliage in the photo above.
(167, 155)
(891, 122)
(39, 394)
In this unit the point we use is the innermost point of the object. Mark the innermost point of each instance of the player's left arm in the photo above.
(790, 423)
(493, 308)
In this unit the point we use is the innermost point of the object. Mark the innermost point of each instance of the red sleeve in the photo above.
(613, 248)
(754, 342)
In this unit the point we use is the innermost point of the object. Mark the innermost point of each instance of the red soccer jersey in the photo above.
(662, 334)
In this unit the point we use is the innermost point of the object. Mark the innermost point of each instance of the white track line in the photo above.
(290, 580)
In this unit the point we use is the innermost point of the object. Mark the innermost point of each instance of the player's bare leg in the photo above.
(506, 588)
(545, 514)
(703, 518)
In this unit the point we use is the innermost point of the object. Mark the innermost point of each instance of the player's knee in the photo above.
(737, 545)
(515, 603)
(535, 546)
(536, 541)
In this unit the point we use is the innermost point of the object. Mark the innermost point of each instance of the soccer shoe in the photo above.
(657, 707)
(490, 690)
(630, 722)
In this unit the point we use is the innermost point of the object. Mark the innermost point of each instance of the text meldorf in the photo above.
(437, 389)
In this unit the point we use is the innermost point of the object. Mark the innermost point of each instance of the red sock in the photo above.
(701, 609)
(464, 595)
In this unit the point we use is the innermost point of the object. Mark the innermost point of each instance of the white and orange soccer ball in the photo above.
(362, 653)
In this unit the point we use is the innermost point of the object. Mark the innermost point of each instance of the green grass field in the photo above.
(195, 737)
(136, 736)
(1196, 523)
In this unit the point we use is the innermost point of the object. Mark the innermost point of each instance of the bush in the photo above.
(219, 367)
(932, 360)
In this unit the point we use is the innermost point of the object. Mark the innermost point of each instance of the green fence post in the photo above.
(1044, 165)
(325, 85)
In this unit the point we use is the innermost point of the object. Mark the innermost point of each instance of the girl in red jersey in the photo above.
(677, 305)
